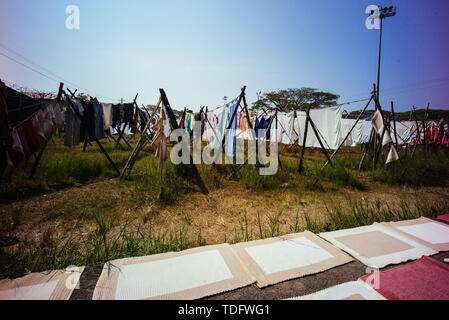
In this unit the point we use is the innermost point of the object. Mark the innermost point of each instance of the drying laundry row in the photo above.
(289, 128)
(96, 118)
(437, 133)
(29, 136)
(210, 270)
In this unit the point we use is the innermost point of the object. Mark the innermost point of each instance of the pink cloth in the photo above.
(16, 151)
(239, 119)
(23, 140)
(444, 217)
(425, 279)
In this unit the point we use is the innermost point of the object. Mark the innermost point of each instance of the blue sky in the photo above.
(200, 51)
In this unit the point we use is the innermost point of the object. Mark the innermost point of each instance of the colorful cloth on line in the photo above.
(230, 137)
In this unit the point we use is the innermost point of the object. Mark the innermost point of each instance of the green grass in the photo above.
(361, 213)
(98, 247)
(337, 174)
(418, 171)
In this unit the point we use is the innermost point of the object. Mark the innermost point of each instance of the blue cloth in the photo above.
(267, 124)
(230, 136)
(188, 124)
(256, 127)
(221, 128)
(98, 120)
(263, 125)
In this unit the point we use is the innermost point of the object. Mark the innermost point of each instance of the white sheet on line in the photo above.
(349, 290)
(152, 279)
(356, 136)
(417, 250)
(285, 255)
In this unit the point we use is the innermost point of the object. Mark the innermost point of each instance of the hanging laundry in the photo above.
(107, 115)
(46, 122)
(268, 122)
(392, 155)
(136, 119)
(16, 152)
(72, 127)
(8, 168)
(4, 129)
(203, 122)
(129, 114)
(378, 122)
(34, 134)
(223, 119)
(122, 113)
(197, 122)
(58, 115)
(115, 115)
(182, 124)
(160, 141)
(293, 135)
(244, 123)
(188, 123)
(230, 137)
(3, 159)
(23, 141)
(98, 120)
(256, 126)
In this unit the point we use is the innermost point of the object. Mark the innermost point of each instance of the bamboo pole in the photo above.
(394, 124)
(138, 147)
(301, 159)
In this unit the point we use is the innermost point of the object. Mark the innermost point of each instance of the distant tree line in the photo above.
(294, 99)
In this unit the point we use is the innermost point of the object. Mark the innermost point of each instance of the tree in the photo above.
(294, 99)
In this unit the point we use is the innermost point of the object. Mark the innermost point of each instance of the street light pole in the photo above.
(378, 62)
(383, 13)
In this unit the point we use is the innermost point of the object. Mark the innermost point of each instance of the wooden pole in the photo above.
(367, 148)
(38, 158)
(130, 163)
(394, 124)
(301, 159)
(418, 134)
(323, 149)
(277, 142)
(426, 117)
(253, 132)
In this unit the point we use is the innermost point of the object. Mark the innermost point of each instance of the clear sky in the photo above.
(202, 50)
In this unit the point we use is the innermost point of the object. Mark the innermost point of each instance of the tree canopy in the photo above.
(294, 99)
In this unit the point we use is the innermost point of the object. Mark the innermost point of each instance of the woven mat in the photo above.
(52, 285)
(429, 233)
(186, 275)
(355, 290)
(377, 245)
(425, 279)
(279, 259)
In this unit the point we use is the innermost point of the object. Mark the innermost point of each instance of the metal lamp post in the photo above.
(383, 13)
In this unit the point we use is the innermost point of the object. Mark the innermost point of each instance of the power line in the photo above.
(46, 70)
(34, 70)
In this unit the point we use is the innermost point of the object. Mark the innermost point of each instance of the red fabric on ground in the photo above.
(444, 217)
(425, 279)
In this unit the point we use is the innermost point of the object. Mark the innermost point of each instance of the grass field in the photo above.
(76, 212)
